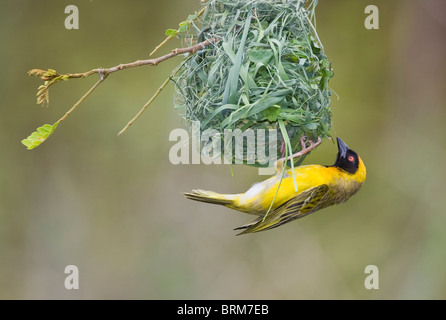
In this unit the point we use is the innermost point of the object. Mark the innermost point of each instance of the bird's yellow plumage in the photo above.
(276, 201)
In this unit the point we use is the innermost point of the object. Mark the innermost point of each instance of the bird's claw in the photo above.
(279, 164)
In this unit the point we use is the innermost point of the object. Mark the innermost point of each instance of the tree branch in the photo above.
(151, 62)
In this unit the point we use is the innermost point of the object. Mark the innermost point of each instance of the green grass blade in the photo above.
(288, 146)
(230, 93)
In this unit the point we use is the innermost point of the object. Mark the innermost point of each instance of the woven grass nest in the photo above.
(267, 71)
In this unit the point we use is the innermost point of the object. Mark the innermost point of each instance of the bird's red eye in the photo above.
(351, 159)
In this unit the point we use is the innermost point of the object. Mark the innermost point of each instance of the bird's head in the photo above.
(347, 159)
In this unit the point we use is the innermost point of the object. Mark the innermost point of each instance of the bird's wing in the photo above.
(303, 204)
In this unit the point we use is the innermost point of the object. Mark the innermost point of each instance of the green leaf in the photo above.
(230, 93)
(42, 131)
(228, 50)
(311, 126)
(27, 143)
(192, 17)
(269, 100)
(40, 135)
(272, 113)
(183, 26)
(171, 32)
(260, 55)
(217, 111)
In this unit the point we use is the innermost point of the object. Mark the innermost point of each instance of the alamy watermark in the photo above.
(72, 280)
(372, 280)
(211, 146)
(72, 20)
(372, 20)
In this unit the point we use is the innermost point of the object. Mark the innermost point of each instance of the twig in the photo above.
(145, 106)
(150, 62)
(81, 100)
(160, 45)
(170, 37)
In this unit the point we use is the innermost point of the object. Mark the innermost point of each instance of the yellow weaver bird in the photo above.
(275, 200)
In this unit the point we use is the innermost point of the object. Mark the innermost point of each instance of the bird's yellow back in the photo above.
(259, 197)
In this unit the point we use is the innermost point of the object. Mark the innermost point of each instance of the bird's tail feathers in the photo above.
(210, 197)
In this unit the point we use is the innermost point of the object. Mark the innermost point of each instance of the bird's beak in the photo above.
(342, 147)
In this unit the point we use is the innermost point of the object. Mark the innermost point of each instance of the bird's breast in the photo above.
(342, 189)
(343, 184)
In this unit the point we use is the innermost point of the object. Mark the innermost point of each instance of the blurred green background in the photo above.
(113, 206)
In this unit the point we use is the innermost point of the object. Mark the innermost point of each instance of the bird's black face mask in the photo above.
(347, 159)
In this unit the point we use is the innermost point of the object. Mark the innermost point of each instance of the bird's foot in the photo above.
(303, 142)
